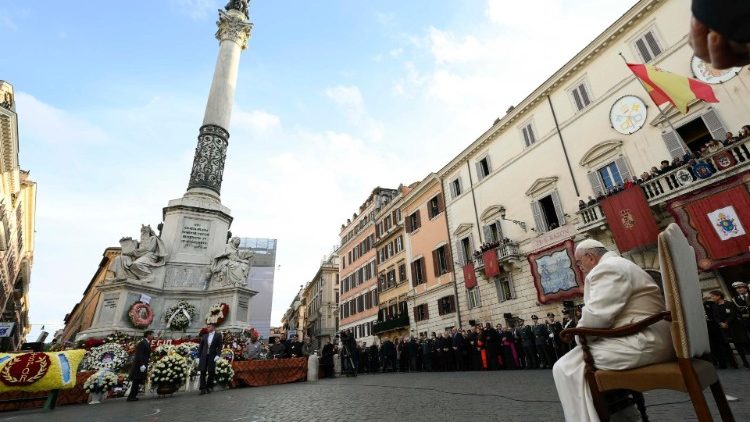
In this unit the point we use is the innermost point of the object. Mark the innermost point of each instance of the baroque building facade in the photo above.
(358, 307)
(321, 297)
(430, 264)
(391, 262)
(17, 218)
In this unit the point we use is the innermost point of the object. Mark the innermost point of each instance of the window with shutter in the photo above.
(536, 210)
(558, 208)
(418, 220)
(456, 187)
(459, 254)
(441, 203)
(674, 144)
(528, 135)
(596, 182)
(580, 95)
(623, 169)
(713, 123)
(435, 263)
(487, 231)
(648, 46)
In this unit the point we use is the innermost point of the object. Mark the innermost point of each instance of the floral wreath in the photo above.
(217, 313)
(110, 356)
(179, 316)
(134, 314)
(101, 381)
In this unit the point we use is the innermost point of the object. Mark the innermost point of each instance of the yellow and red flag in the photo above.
(665, 87)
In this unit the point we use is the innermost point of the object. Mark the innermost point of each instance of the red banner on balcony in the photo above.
(491, 266)
(721, 221)
(470, 277)
(716, 221)
(630, 219)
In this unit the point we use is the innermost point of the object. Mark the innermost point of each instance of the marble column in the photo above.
(210, 154)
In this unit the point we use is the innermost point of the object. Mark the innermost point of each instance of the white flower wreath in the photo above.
(111, 356)
(179, 316)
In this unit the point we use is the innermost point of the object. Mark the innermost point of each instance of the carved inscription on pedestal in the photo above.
(195, 233)
(186, 277)
(109, 307)
(244, 303)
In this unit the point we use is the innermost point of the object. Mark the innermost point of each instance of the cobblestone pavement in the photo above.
(460, 396)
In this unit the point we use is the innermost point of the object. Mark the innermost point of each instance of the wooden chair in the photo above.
(688, 373)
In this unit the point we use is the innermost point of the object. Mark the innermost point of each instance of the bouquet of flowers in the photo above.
(100, 382)
(224, 372)
(171, 369)
(187, 350)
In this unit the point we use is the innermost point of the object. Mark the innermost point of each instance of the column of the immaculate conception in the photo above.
(191, 267)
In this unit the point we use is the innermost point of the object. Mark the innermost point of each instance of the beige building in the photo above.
(392, 262)
(81, 317)
(293, 321)
(428, 248)
(321, 298)
(17, 217)
(588, 127)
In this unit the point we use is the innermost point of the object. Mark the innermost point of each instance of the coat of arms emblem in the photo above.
(626, 217)
(726, 224)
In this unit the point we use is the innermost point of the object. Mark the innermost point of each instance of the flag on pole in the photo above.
(665, 87)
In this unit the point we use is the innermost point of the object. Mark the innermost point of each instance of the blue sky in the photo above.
(333, 99)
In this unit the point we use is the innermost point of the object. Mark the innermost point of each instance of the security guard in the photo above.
(529, 348)
(541, 336)
(554, 328)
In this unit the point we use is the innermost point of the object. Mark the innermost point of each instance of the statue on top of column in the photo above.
(138, 259)
(231, 267)
(239, 5)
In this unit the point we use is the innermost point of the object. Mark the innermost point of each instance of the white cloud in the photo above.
(349, 99)
(52, 125)
(7, 23)
(196, 9)
(256, 120)
(446, 48)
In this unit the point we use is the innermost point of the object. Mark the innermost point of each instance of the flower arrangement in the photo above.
(217, 313)
(179, 316)
(140, 314)
(170, 370)
(224, 372)
(187, 350)
(100, 382)
(111, 356)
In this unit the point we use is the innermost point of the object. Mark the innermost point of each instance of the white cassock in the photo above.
(616, 292)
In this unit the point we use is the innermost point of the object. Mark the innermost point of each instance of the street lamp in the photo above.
(519, 223)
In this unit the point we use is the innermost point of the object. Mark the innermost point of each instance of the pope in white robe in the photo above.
(616, 293)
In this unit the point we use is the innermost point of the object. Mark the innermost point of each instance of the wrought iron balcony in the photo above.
(667, 186)
(392, 324)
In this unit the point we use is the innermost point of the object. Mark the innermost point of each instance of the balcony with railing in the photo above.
(679, 181)
(395, 323)
(506, 251)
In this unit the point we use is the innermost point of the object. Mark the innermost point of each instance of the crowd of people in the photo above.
(482, 347)
(690, 160)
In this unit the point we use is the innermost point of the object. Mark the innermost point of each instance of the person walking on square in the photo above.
(209, 353)
(140, 365)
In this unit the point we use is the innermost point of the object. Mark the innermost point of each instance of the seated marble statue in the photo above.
(231, 267)
(138, 259)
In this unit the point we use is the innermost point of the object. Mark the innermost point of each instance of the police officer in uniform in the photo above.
(569, 321)
(529, 346)
(517, 333)
(554, 328)
(541, 336)
(742, 300)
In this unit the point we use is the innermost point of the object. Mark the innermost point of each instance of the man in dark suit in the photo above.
(209, 353)
(140, 365)
(295, 347)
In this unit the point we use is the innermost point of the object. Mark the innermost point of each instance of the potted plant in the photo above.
(169, 373)
(99, 384)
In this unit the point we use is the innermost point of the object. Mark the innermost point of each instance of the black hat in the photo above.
(534, 317)
(550, 314)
